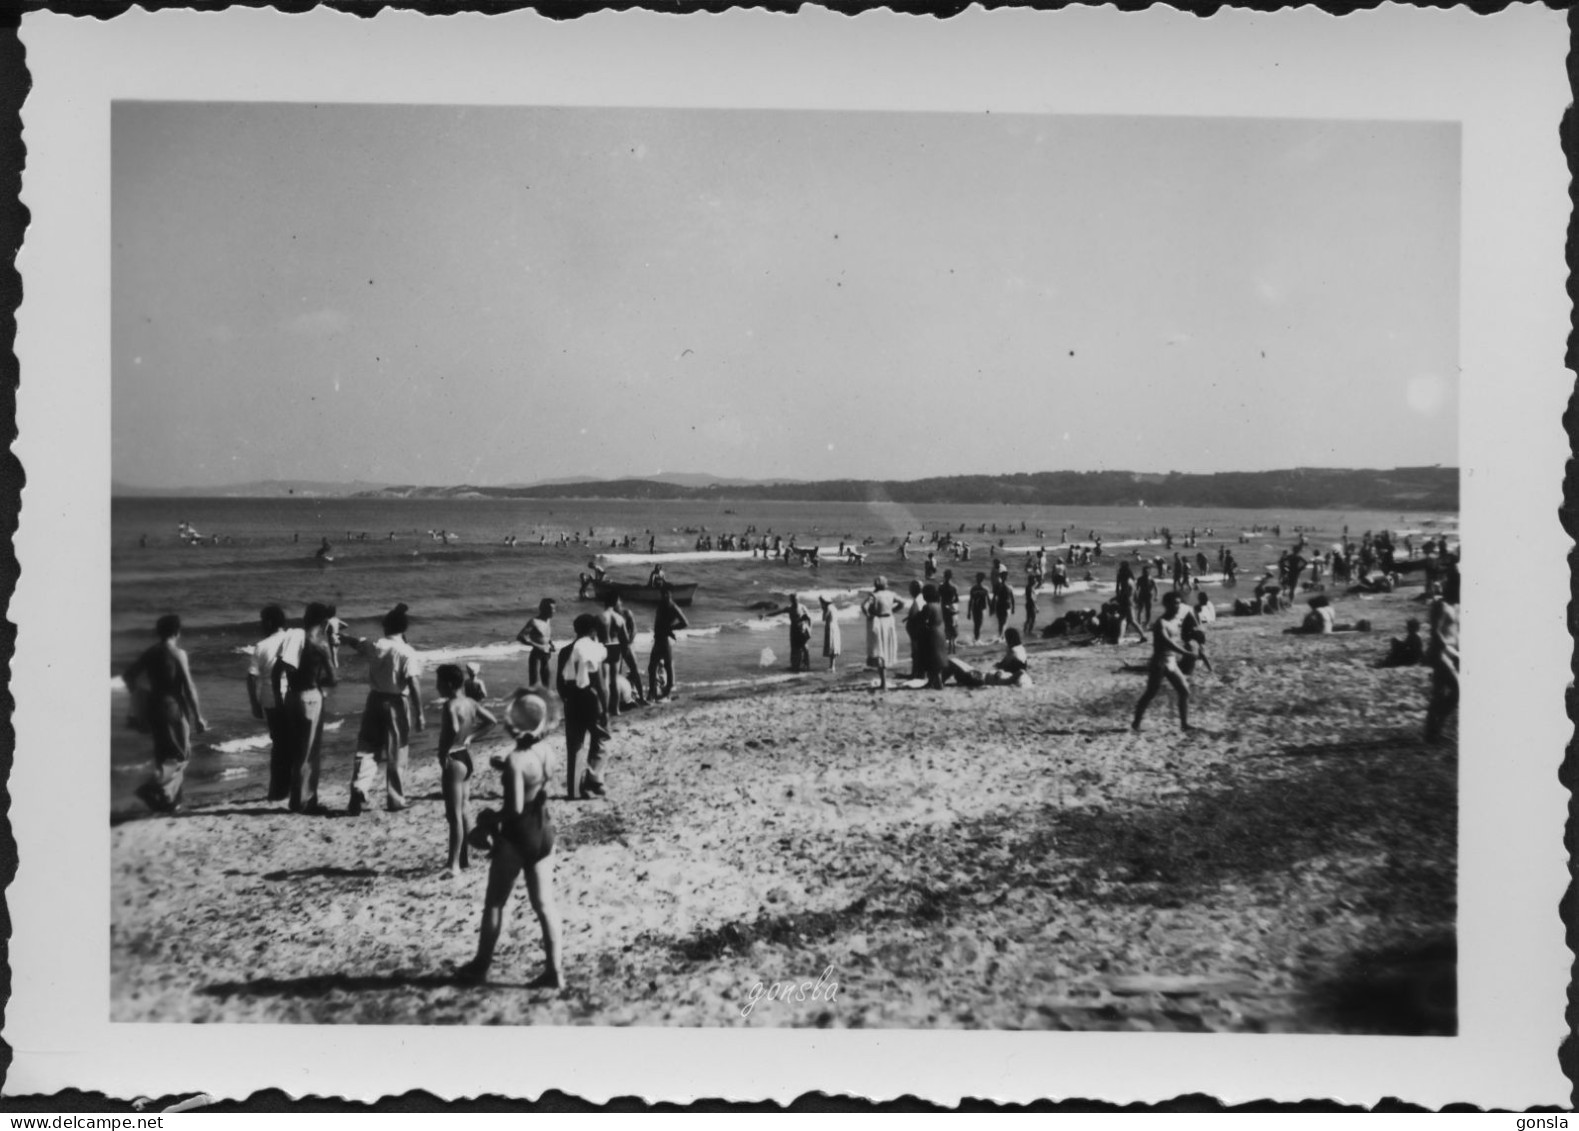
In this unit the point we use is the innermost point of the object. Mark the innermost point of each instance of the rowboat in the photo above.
(646, 594)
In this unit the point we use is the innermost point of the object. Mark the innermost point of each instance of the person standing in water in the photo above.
(263, 694)
(978, 601)
(1002, 602)
(393, 711)
(581, 686)
(669, 621)
(799, 635)
(538, 635)
(832, 644)
(948, 597)
(170, 713)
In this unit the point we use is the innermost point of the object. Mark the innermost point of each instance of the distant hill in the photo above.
(1402, 488)
(267, 489)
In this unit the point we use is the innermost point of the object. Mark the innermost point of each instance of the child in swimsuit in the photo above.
(523, 842)
(461, 716)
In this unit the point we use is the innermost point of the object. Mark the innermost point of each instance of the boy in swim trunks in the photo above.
(538, 635)
(523, 841)
(460, 717)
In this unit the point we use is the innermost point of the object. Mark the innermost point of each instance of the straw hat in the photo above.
(528, 713)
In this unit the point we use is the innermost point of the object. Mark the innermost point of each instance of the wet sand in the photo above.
(997, 857)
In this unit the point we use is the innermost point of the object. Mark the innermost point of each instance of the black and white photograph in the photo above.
(974, 565)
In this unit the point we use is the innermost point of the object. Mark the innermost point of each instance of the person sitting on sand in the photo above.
(1319, 621)
(882, 638)
(521, 836)
(832, 645)
(393, 711)
(581, 686)
(1169, 646)
(1205, 611)
(263, 694)
(460, 717)
(799, 635)
(170, 712)
(1409, 651)
(538, 635)
(1013, 670)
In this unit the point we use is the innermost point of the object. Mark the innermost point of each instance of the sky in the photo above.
(495, 295)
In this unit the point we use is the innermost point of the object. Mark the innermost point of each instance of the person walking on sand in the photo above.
(800, 635)
(882, 639)
(977, 607)
(581, 686)
(832, 645)
(393, 711)
(1168, 647)
(170, 713)
(263, 694)
(666, 624)
(460, 718)
(538, 635)
(305, 668)
(522, 839)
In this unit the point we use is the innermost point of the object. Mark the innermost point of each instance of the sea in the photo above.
(471, 595)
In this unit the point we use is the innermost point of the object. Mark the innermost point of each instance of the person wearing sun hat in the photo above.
(522, 839)
(393, 711)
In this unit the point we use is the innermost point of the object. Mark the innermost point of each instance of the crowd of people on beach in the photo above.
(594, 676)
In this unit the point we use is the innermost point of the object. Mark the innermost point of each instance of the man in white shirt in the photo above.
(266, 702)
(582, 687)
(393, 711)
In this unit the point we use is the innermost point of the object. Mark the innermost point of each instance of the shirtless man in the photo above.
(1168, 646)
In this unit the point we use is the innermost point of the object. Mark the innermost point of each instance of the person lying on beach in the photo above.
(170, 712)
(460, 717)
(1076, 622)
(1013, 670)
(521, 836)
(1169, 646)
(1409, 651)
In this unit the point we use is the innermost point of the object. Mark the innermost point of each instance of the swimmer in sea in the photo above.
(522, 837)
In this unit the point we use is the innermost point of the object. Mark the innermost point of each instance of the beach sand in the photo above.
(997, 858)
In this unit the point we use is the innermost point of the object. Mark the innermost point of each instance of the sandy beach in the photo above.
(989, 858)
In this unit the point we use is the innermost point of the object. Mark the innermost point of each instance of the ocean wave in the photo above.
(448, 654)
(241, 745)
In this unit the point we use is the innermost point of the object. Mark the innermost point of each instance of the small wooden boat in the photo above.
(644, 594)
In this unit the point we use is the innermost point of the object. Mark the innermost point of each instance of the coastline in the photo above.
(990, 858)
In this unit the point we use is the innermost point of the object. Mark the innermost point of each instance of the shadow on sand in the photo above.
(321, 985)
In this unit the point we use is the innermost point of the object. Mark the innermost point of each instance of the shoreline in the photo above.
(991, 858)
